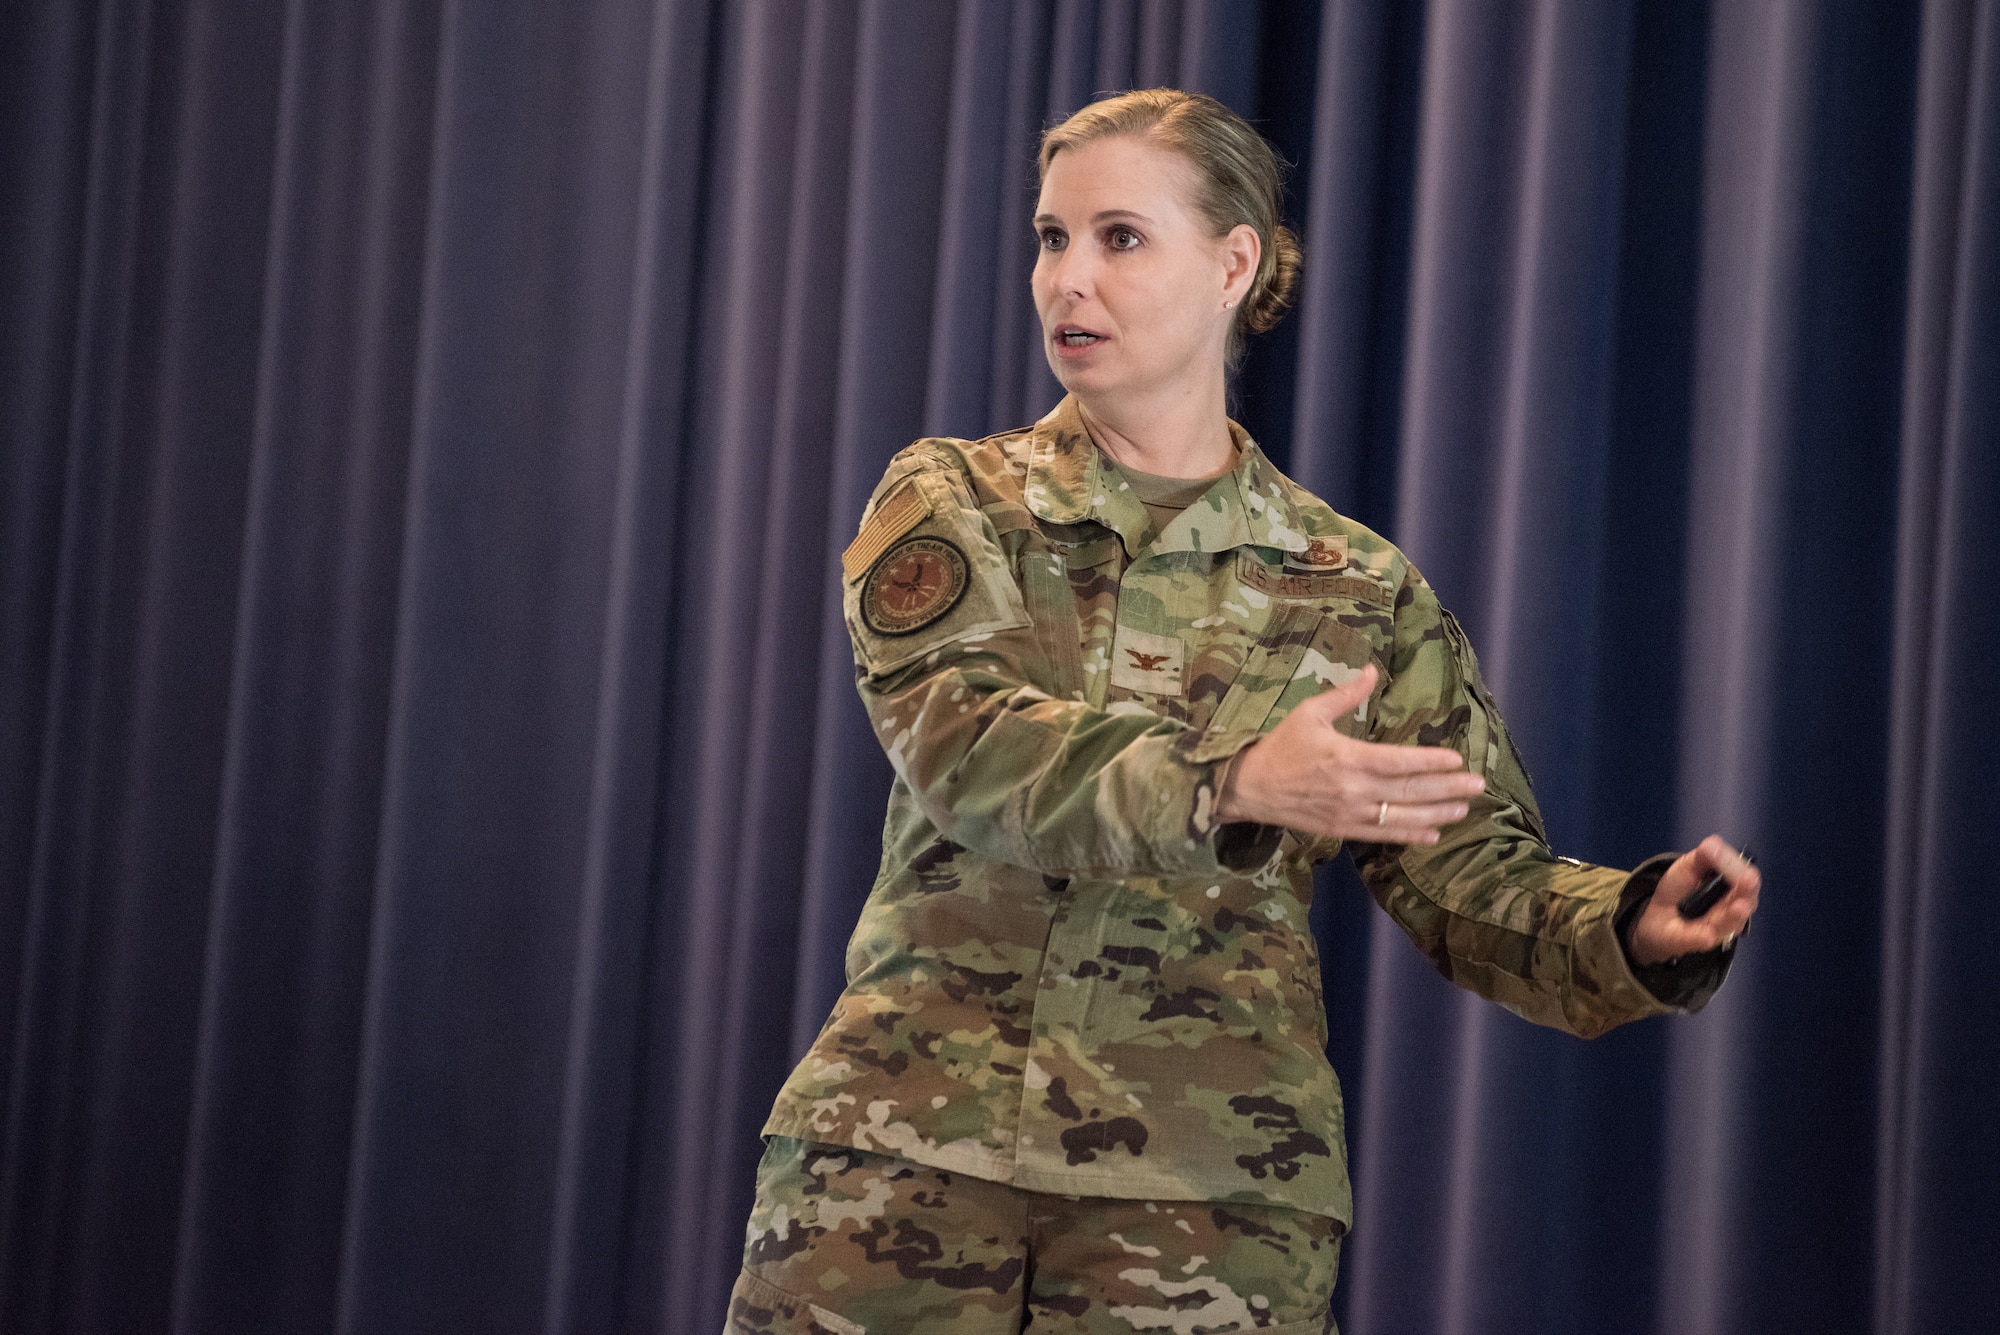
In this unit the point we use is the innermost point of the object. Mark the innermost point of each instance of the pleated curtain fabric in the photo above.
(433, 801)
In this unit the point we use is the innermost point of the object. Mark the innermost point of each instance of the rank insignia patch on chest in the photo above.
(918, 581)
(1148, 663)
(1321, 554)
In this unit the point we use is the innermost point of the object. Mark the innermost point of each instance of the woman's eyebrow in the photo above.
(1108, 215)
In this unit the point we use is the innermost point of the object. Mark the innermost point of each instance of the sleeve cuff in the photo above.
(1238, 846)
(1686, 982)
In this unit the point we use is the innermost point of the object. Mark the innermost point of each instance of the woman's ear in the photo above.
(1241, 250)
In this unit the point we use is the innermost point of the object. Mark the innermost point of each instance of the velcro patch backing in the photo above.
(900, 511)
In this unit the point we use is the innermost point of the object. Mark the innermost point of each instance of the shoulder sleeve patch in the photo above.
(919, 581)
(900, 511)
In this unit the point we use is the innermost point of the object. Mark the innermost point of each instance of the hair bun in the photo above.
(1273, 294)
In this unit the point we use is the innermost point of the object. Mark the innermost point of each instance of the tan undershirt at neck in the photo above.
(1165, 497)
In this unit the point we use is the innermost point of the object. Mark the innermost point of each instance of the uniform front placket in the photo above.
(1059, 1028)
(1161, 595)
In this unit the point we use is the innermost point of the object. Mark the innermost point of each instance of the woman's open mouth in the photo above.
(1072, 337)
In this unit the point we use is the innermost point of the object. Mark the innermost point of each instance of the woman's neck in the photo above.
(1183, 434)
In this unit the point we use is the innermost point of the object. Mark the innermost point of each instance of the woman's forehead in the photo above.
(1121, 174)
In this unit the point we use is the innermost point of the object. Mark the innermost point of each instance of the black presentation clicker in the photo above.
(1709, 893)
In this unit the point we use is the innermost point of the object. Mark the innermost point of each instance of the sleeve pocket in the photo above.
(943, 581)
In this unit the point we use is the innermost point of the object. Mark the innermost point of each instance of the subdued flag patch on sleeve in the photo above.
(900, 511)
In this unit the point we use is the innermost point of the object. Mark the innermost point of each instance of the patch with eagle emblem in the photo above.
(1147, 663)
(915, 583)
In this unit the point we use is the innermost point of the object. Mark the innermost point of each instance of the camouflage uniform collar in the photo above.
(1069, 481)
(1063, 472)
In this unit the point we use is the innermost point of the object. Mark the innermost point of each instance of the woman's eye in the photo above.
(1123, 238)
(1052, 239)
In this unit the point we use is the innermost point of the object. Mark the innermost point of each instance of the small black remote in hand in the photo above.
(1709, 893)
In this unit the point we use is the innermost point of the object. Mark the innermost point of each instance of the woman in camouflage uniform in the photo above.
(1135, 682)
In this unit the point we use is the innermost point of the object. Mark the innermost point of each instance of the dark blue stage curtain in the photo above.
(432, 797)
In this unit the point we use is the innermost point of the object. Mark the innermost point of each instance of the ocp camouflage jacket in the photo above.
(1069, 975)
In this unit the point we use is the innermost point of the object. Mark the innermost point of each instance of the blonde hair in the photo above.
(1239, 180)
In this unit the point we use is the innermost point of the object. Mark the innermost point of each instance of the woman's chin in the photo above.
(1083, 375)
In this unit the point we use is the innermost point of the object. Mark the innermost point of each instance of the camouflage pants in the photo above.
(843, 1242)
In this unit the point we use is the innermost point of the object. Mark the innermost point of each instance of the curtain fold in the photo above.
(286, 974)
(1759, 104)
(1936, 1232)
(433, 801)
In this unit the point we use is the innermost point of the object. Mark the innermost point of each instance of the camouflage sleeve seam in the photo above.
(1434, 889)
(1450, 910)
(1561, 985)
(929, 455)
(921, 456)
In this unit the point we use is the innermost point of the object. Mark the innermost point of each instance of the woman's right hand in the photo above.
(1309, 777)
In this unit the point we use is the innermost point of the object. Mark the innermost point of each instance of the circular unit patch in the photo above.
(916, 582)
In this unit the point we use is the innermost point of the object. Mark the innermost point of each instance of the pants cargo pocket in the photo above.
(760, 1308)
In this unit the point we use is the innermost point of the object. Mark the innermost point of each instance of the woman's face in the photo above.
(1129, 285)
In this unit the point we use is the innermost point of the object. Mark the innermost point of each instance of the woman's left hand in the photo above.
(1662, 934)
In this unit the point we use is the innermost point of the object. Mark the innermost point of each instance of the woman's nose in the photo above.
(1069, 272)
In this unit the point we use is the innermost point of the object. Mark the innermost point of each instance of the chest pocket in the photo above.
(1268, 669)
(1305, 651)
(1335, 656)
